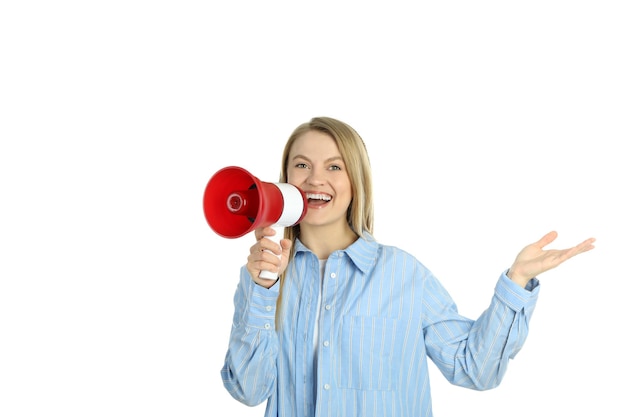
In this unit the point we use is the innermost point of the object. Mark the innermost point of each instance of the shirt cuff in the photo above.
(261, 307)
(514, 296)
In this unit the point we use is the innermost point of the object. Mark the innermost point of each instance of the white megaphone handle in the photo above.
(275, 238)
(293, 207)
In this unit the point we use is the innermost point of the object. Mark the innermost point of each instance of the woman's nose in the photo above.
(316, 177)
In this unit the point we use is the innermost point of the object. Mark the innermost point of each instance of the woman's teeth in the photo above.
(323, 197)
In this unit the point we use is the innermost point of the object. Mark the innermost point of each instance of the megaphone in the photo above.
(236, 202)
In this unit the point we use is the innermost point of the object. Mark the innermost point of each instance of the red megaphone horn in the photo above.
(236, 202)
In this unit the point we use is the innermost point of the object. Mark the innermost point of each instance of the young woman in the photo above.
(347, 329)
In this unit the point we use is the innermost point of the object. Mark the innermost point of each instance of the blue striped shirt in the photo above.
(382, 314)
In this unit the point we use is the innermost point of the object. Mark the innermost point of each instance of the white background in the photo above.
(488, 123)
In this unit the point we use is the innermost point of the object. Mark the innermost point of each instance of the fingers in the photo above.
(581, 247)
(575, 250)
(267, 255)
(286, 245)
(547, 239)
(555, 257)
(584, 246)
(266, 244)
(261, 232)
(262, 260)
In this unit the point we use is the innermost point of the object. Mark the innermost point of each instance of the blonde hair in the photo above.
(360, 214)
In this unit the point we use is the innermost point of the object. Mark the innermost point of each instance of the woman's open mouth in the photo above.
(317, 199)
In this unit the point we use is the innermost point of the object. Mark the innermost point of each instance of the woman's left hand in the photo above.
(534, 260)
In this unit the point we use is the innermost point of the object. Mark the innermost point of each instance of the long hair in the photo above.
(360, 214)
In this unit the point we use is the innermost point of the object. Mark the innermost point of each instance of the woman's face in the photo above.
(316, 166)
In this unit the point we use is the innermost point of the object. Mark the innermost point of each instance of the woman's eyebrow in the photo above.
(332, 158)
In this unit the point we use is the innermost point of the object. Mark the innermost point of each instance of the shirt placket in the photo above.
(327, 321)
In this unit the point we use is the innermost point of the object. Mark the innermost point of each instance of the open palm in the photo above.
(534, 259)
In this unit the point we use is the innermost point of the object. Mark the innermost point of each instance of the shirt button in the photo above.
(326, 343)
(268, 308)
(333, 275)
(327, 307)
(327, 386)
(267, 326)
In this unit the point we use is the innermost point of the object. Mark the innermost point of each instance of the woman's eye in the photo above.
(301, 165)
(335, 168)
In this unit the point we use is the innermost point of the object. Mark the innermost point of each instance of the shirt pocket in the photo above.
(366, 353)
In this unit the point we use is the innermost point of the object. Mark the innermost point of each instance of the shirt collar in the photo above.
(362, 252)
